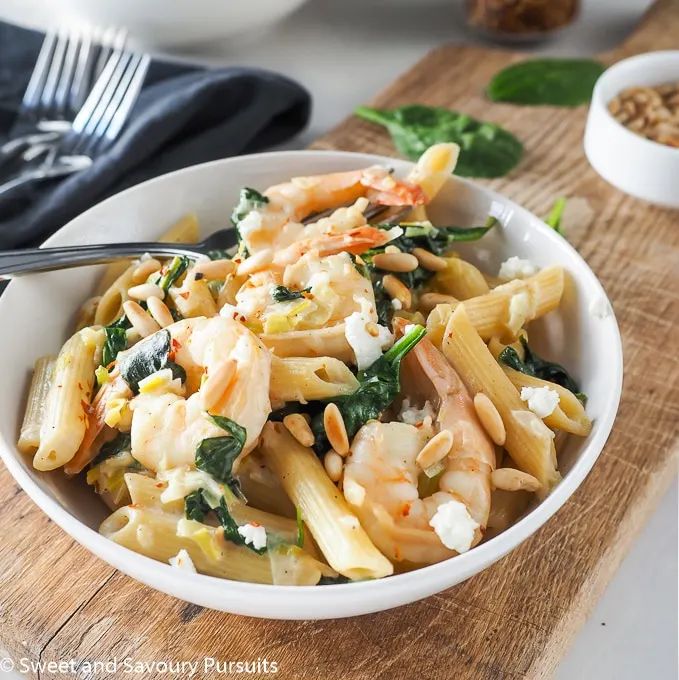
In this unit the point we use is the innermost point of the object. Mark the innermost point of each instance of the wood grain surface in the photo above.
(516, 619)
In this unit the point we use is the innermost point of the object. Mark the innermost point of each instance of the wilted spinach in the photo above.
(556, 82)
(173, 272)
(116, 341)
(486, 150)
(216, 455)
(122, 442)
(534, 366)
(378, 386)
(147, 357)
(283, 294)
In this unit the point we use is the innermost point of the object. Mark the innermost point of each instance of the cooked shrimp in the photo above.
(381, 476)
(278, 224)
(332, 290)
(167, 427)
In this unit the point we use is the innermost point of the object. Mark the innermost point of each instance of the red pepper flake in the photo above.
(80, 385)
(184, 295)
(235, 316)
(306, 294)
(160, 485)
(242, 319)
(59, 386)
(406, 510)
(170, 356)
(176, 344)
(255, 524)
(450, 335)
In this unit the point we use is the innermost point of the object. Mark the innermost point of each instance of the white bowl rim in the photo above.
(491, 550)
(610, 73)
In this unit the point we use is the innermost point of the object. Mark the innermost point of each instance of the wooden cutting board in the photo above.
(516, 619)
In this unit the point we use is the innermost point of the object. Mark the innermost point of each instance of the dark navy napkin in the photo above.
(184, 115)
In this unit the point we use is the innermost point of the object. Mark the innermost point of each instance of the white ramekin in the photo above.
(633, 164)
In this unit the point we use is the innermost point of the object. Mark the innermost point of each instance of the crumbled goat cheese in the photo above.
(454, 526)
(396, 304)
(541, 400)
(413, 416)
(516, 268)
(367, 348)
(519, 311)
(183, 561)
(254, 534)
(395, 232)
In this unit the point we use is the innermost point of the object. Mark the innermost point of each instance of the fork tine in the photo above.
(48, 92)
(81, 77)
(67, 75)
(40, 70)
(113, 39)
(121, 114)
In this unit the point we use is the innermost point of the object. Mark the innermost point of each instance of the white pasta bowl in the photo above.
(583, 335)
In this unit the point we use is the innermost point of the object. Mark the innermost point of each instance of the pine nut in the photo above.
(160, 312)
(299, 428)
(255, 262)
(140, 320)
(217, 383)
(144, 270)
(214, 270)
(398, 290)
(429, 261)
(333, 464)
(509, 479)
(396, 262)
(435, 450)
(429, 300)
(335, 429)
(145, 291)
(490, 418)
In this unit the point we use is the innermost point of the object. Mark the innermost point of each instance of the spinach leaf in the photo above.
(283, 294)
(378, 386)
(554, 217)
(147, 357)
(555, 82)
(383, 304)
(249, 199)
(196, 507)
(116, 341)
(122, 322)
(172, 272)
(486, 149)
(216, 455)
(333, 580)
(534, 366)
(122, 442)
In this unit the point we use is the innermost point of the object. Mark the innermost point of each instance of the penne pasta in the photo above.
(161, 535)
(529, 441)
(335, 528)
(110, 306)
(193, 298)
(324, 342)
(29, 437)
(460, 279)
(304, 379)
(65, 417)
(507, 308)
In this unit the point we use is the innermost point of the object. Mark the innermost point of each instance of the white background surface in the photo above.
(344, 52)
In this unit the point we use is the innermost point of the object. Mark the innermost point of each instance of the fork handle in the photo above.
(14, 263)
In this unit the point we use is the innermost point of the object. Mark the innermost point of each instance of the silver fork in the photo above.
(57, 89)
(97, 125)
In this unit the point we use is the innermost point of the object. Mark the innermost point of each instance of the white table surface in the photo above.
(344, 53)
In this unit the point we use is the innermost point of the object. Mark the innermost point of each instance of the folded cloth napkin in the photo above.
(184, 115)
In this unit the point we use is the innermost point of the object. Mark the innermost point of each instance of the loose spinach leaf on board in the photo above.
(172, 272)
(534, 366)
(216, 455)
(555, 82)
(378, 386)
(116, 341)
(122, 442)
(149, 356)
(283, 294)
(486, 149)
(554, 217)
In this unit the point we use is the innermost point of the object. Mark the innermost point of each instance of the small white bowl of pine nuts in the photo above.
(632, 133)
